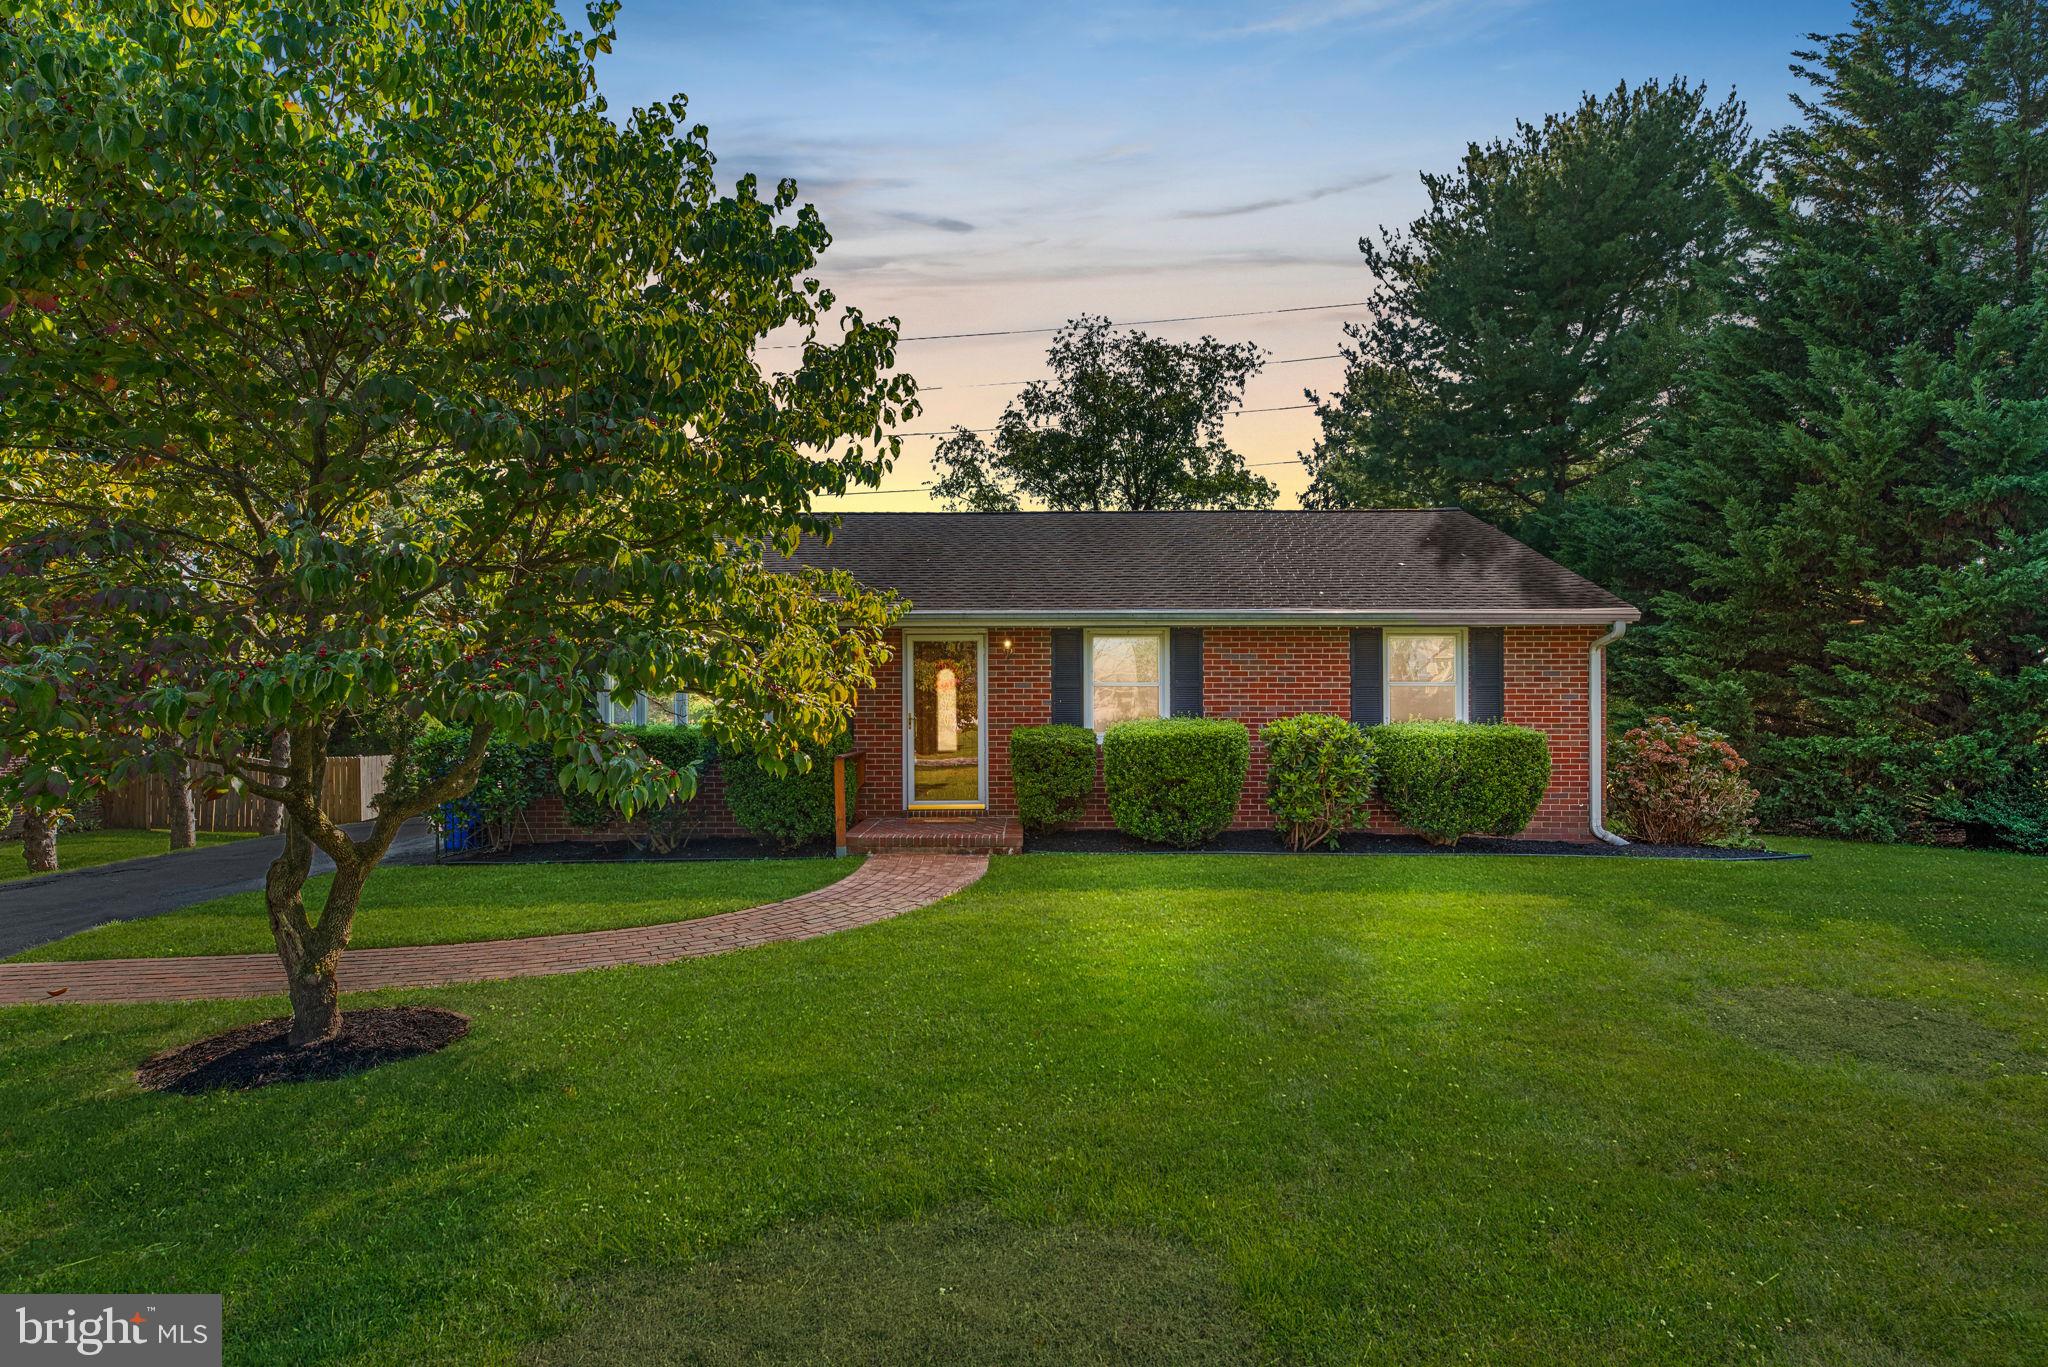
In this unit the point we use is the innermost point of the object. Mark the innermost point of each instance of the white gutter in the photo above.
(1596, 728)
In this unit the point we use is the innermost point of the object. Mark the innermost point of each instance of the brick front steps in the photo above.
(976, 834)
(886, 885)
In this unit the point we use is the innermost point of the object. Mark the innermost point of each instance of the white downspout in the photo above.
(1596, 737)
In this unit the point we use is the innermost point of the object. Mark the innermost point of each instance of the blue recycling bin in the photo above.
(462, 826)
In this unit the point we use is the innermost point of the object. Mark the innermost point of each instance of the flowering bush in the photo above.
(1679, 783)
(1318, 777)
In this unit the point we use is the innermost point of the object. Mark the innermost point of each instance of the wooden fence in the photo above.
(351, 784)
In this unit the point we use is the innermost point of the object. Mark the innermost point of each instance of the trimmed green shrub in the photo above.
(679, 747)
(1680, 783)
(789, 809)
(513, 775)
(1175, 781)
(1446, 779)
(1318, 777)
(1053, 769)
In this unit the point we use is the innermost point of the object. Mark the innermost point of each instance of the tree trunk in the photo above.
(273, 812)
(311, 954)
(284, 900)
(39, 840)
(184, 811)
(316, 1004)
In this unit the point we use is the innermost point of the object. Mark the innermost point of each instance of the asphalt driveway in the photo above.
(35, 911)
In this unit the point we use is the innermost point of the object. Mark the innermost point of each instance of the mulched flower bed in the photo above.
(1358, 842)
(622, 852)
(1111, 842)
(256, 1055)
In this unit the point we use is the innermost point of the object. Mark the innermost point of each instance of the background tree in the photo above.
(1532, 322)
(356, 361)
(1852, 506)
(1128, 421)
(184, 808)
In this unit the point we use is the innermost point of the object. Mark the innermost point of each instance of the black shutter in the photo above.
(1184, 684)
(1066, 675)
(1368, 700)
(1486, 697)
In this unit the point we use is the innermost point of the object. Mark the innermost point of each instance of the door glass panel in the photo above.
(945, 716)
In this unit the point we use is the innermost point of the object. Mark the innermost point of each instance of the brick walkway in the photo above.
(886, 885)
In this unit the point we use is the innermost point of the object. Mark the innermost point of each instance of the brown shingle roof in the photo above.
(1389, 563)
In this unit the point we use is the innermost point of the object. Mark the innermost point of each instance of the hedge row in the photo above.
(1177, 781)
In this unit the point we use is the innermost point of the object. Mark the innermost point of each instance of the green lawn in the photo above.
(81, 850)
(1145, 1108)
(425, 905)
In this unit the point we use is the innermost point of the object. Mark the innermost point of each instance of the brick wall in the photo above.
(1249, 674)
(548, 820)
(1546, 689)
(878, 733)
(1019, 694)
(1259, 674)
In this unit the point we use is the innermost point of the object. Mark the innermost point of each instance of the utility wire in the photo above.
(1276, 408)
(1134, 323)
(1005, 384)
(914, 488)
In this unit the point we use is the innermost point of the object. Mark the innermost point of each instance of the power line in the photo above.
(1005, 384)
(1275, 408)
(1134, 323)
(914, 488)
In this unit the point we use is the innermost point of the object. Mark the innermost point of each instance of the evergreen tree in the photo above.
(1853, 499)
(1533, 321)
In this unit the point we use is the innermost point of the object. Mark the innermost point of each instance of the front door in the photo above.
(944, 754)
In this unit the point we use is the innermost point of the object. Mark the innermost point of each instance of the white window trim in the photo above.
(1461, 670)
(1088, 670)
(640, 714)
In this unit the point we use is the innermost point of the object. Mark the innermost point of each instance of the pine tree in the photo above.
(1853, 501)
(1530, 324)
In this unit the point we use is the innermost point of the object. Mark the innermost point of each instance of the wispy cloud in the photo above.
(1122, 151)
(1317, 14)
(1258, 206)
(1060, 266)
(937, 221)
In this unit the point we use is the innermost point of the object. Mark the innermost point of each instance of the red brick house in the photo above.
(1017, 619)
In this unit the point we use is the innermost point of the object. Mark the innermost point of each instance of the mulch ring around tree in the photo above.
(256, 1055)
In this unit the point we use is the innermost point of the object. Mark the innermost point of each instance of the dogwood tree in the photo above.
(357, 359)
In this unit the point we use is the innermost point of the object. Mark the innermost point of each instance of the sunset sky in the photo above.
(994, 166)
